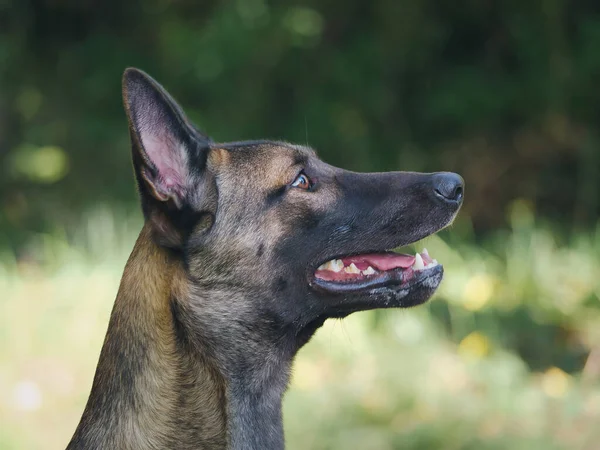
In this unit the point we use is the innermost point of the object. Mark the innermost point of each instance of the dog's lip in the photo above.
(365, 271)
(397, 277)
(394, 278)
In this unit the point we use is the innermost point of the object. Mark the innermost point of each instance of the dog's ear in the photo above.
(166, 147)
(169, 153)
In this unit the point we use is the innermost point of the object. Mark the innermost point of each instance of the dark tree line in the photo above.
(503, 92)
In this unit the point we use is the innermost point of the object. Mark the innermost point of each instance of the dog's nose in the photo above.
(448, 187)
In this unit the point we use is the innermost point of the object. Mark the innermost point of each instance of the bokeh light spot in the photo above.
(27, 396)
(46, 164)
(475, 345)
(478, 291)
(555, 382)
(305, 22)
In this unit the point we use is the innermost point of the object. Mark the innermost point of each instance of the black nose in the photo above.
(448, 186)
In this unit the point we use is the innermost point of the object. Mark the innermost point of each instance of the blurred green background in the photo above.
(507, 354)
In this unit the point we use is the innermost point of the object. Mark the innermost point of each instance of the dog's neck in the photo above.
(170, 376)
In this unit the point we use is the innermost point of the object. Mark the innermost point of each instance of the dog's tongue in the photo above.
(380, 261)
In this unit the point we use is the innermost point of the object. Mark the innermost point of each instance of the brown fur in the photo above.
(219, 295)
(142, 343)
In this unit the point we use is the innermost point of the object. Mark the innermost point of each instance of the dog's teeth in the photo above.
(425, 252)
(432, 264)
(325, 266)
(418, 264)
(337, 265)
(351, 269)
(368, 271)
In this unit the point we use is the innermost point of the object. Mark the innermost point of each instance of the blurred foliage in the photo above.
(497, 360)
(504, 93)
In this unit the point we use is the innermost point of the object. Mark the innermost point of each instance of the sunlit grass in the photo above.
(384, 380)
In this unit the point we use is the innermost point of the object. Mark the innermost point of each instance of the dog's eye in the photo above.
(302, 182)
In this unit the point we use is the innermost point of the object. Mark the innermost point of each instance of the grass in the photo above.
(497, 360)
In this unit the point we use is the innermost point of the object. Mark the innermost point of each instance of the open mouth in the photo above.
(367, 271)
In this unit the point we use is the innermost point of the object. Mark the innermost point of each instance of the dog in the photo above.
(246, 249)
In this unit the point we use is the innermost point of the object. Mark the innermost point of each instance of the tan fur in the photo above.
(244, 178)
(142, 313)
(220, 291)
(217, 158)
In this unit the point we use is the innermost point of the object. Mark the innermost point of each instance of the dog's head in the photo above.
(274, 232)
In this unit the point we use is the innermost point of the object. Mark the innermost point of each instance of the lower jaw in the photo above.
(395, 279)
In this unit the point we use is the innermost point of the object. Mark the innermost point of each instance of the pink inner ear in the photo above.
(170, 159)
